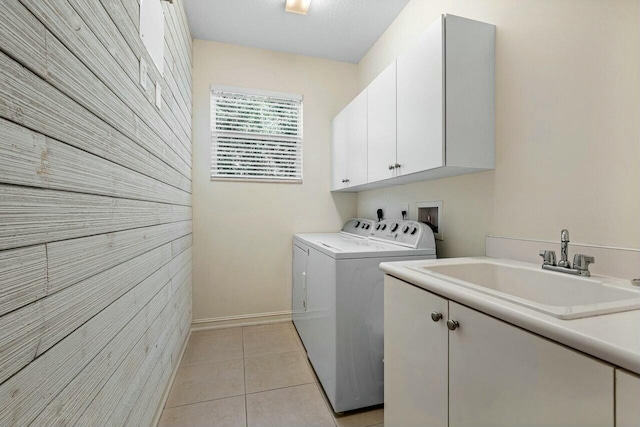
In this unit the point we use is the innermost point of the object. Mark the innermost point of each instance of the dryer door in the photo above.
(299, 280)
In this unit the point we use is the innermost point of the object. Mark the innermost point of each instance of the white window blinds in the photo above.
(255, 135)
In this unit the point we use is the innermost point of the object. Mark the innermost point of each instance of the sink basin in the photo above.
(560, 295)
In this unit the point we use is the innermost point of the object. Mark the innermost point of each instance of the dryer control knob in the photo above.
(377, 226)
(384, 226)
(405, 229)
(414, 231)
(357, 224)
(394, 228)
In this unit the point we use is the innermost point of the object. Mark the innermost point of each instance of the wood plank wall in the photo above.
(95, 212)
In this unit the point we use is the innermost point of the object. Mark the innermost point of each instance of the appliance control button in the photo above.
(384, 226)
(395, 227)
(414, 231)
(368, 226)
(377, 226)
(405, 229)
(357, 224)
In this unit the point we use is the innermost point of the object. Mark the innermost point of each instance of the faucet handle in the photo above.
(581, 262)
(548, 257)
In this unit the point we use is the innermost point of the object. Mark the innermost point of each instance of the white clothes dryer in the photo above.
(338, 307)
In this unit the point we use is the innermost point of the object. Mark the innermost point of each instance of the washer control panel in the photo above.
(408, 233)
(358, 226)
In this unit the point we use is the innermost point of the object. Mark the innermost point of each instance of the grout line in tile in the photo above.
(246, 412)
(203, 401)
(327, 404)
(278, 388)
(244, 373)
(206, 401)
(253, 356)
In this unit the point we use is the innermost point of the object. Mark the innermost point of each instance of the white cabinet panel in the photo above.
(349, 145)
(382, 125)
(415, 357)
(470, 89)
(420, 103)
(339, 151)
(357, 141)
(503, 376)
(627, 399)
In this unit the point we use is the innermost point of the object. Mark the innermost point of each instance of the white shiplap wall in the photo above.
(95, 213)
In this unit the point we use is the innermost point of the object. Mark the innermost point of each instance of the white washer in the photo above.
(338, 302)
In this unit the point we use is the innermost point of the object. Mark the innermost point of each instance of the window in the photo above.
(255, 135)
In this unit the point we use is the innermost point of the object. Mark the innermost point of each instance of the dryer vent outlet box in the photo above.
(430, 213)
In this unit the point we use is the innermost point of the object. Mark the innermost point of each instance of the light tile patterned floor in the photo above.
(256, 376)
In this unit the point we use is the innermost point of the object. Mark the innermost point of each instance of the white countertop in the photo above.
(613, 338)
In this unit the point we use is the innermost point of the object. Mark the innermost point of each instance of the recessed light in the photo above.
(297, 6)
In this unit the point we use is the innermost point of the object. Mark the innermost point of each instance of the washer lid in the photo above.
(341, 246)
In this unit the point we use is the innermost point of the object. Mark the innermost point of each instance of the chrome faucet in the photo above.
(580, 262)
(564, 249)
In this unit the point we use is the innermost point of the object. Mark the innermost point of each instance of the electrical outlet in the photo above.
(404, 208)
(158, 95)
(143, 73)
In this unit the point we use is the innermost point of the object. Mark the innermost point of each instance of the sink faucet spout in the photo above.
(564, 249)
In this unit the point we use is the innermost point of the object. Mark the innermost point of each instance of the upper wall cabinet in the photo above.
(381, 124)
(349, 145)
(431, 112)
(421, 103)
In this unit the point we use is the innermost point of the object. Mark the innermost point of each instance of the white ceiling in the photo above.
(343, 30)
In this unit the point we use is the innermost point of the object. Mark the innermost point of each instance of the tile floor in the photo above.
(255, 376)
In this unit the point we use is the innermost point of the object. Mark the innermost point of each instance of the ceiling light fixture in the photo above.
(297, 6)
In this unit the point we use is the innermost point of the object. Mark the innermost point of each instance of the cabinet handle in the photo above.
(435, 316)
(391, 167)
(452, 324)
(345, 181)
(397, 165)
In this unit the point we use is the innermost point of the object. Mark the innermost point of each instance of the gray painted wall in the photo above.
(95, 213)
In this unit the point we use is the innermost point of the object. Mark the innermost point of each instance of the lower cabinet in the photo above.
(415, 356)
(627, 399)
(479, 371)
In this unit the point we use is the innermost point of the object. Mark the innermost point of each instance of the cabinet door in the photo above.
(339, 150)
(627, 399)
(421, 103)
(415, 357)
(381, 124)
(357, 141)
(503, 376)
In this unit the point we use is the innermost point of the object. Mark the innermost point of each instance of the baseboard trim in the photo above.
(165, 395)
(241, 320)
